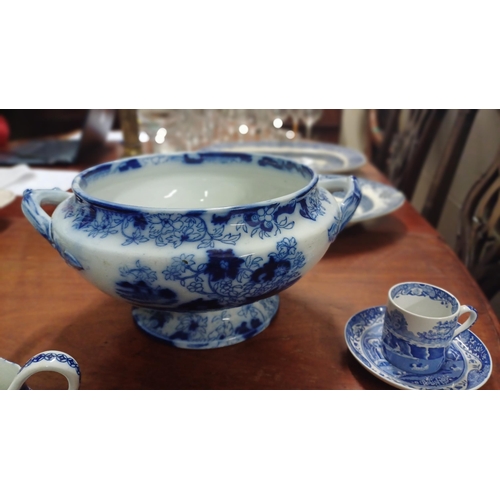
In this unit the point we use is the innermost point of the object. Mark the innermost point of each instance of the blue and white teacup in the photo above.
(13, 376)
(420, 322)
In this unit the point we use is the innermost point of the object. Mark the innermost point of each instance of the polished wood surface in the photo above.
(45, 304)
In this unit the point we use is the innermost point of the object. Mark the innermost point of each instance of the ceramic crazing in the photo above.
(194, 261)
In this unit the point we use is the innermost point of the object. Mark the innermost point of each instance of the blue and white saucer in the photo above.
(323, 158)
(468, 363)
(377, 200)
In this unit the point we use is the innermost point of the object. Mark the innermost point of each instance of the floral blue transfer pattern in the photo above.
(467, 362)
(424, 290)
(222, 279)
(206, 331)
(188, 264)
(174, 229)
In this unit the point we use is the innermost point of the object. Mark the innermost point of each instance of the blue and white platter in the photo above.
(377, 200)
(468, 363)
(323, 158)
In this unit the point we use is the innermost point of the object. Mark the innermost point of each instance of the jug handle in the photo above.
(31, 206)
(49, 361)
(350, 186)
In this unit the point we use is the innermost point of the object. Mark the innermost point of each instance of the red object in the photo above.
(4, 131)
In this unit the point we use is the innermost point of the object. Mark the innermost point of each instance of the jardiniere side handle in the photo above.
(31, 206)
(349, 185)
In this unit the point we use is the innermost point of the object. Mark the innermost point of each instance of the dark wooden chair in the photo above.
(401, 155)
(410, 147)
(382, 127)
(447, 166)
(478, 240)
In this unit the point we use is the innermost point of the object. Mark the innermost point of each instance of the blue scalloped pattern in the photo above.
(62, 358)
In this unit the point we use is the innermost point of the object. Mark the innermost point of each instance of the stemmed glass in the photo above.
(295, 115)
(310, 117)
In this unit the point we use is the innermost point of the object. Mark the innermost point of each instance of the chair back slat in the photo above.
(445, 172)
(478, 240)
(390, 129)
(411, 147)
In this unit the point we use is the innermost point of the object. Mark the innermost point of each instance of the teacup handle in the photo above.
(470, 320)
(352, 194)
(31, 206)
(49, 361)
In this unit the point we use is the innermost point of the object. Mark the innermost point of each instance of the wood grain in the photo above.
(45, 304)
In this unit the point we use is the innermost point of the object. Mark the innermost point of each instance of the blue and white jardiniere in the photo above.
(200, 243)
(420, 323)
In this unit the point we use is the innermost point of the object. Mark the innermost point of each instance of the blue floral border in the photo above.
(425, 290)
(200, 227)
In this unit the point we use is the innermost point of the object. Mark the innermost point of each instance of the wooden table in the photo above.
(44, 304)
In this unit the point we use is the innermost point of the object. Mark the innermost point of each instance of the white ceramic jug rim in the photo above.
(9, 368)
(80, 192)
(416, 315)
